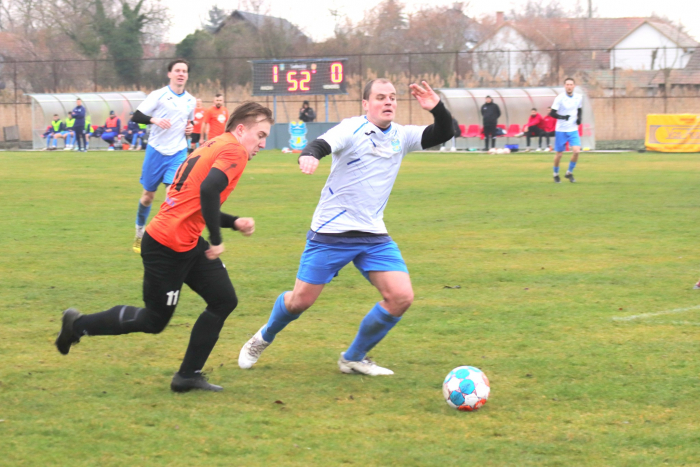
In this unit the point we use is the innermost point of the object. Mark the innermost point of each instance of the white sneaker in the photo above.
(364, 367)
(251, 351)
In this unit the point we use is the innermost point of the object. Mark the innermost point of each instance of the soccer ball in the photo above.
(466, 388)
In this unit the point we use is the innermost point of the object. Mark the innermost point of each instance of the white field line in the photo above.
(658, 313)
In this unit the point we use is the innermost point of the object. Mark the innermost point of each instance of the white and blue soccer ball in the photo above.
(466, 388)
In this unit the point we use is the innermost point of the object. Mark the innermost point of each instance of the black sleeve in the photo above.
(579, 118)
(210, 199)
(317, 148)
(138, 117)
(441, 130)
(554, 114)
(498, 111)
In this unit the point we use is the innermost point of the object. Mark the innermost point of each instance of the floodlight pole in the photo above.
(274, 107)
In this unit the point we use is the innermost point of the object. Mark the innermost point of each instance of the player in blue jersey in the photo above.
(171, 111)
(348, 223)
(567, 109)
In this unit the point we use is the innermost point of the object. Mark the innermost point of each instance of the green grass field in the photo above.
(543, 270)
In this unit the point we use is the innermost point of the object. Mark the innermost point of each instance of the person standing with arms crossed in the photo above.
(490, 112)
(214, 119)
(79, 114)
(568, 110)
(174, 252)
(171, 111)
(348, 223)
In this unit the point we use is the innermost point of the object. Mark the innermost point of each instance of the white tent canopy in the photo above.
(515, 103)
(97, 104)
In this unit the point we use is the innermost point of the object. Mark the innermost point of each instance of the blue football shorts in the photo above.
(563, 137)
(158, 168)
(321, 262)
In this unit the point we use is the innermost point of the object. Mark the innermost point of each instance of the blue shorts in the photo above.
(563, 137)
(158, 168)
(321, 262)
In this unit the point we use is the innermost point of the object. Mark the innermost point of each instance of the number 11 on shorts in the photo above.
(172, 297)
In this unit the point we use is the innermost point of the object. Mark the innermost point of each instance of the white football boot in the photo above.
(251, 351)
(364, 367)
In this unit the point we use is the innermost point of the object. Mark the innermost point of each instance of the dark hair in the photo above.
(534, 109)
(368, 87)
(248, 113)
(570, 79)
(305, 103)
(218, 94)
(55, 115)
(176, 61)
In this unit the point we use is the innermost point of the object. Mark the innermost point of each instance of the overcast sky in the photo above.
(313, 16)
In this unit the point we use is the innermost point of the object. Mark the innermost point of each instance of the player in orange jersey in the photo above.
(197, 129)
(214, 119)
(174, 252)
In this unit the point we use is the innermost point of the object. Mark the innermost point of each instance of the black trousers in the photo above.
(79, 136)
(490, 134)
(535, 131)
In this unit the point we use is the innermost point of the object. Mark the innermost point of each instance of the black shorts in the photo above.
(165, 270)
(194, 138)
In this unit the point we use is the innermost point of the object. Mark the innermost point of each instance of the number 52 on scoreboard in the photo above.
(300, 76)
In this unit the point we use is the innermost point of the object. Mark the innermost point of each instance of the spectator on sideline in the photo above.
(133, 133)
(306, 113)
(490, 112)
(70, 131)
(197, 129)
(81, 117)
(112, 129)
(214, 119)
(533, 128)
(53, 131)
(549, 125)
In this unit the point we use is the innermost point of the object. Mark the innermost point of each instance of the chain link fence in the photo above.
(621, 98)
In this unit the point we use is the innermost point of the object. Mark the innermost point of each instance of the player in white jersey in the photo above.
(171, 111)
(567, 109)
(348, 223)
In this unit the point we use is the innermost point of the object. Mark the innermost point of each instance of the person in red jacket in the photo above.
(549, 124)
(533, 128)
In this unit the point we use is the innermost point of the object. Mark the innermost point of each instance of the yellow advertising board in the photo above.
(673, 133)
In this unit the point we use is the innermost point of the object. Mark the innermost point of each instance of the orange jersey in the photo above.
(198, 119)
(216, 118)
(180, 223)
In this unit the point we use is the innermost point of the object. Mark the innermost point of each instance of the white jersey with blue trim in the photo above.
(366, 161)
(565, 104)
(179, 109)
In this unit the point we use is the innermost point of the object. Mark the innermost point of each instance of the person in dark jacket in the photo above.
(490, 113)
(306, 113)
(79, 114)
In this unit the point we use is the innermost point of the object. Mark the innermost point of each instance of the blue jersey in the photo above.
(79, 115)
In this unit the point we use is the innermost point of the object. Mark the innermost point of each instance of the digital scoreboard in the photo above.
(299, 77)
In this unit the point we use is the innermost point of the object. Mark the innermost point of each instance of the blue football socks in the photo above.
(556, 170)
(142, 214)
(572, 164)
(375, 325)
(279, 319)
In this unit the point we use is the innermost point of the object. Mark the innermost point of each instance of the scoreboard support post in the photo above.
(326, 108)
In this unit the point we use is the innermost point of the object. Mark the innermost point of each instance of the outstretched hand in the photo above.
(426, 97)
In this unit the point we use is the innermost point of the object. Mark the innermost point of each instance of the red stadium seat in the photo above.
(580, 130)
(513, 130)
(463, 131)
(474, 131)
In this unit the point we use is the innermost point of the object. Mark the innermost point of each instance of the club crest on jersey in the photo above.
(396, 145)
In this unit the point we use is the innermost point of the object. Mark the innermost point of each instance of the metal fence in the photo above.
(621, 96)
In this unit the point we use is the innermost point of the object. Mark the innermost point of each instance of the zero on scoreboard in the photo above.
(299, 76)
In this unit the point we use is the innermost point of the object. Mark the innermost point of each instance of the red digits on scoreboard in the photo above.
(337, 72)
(294, 83)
